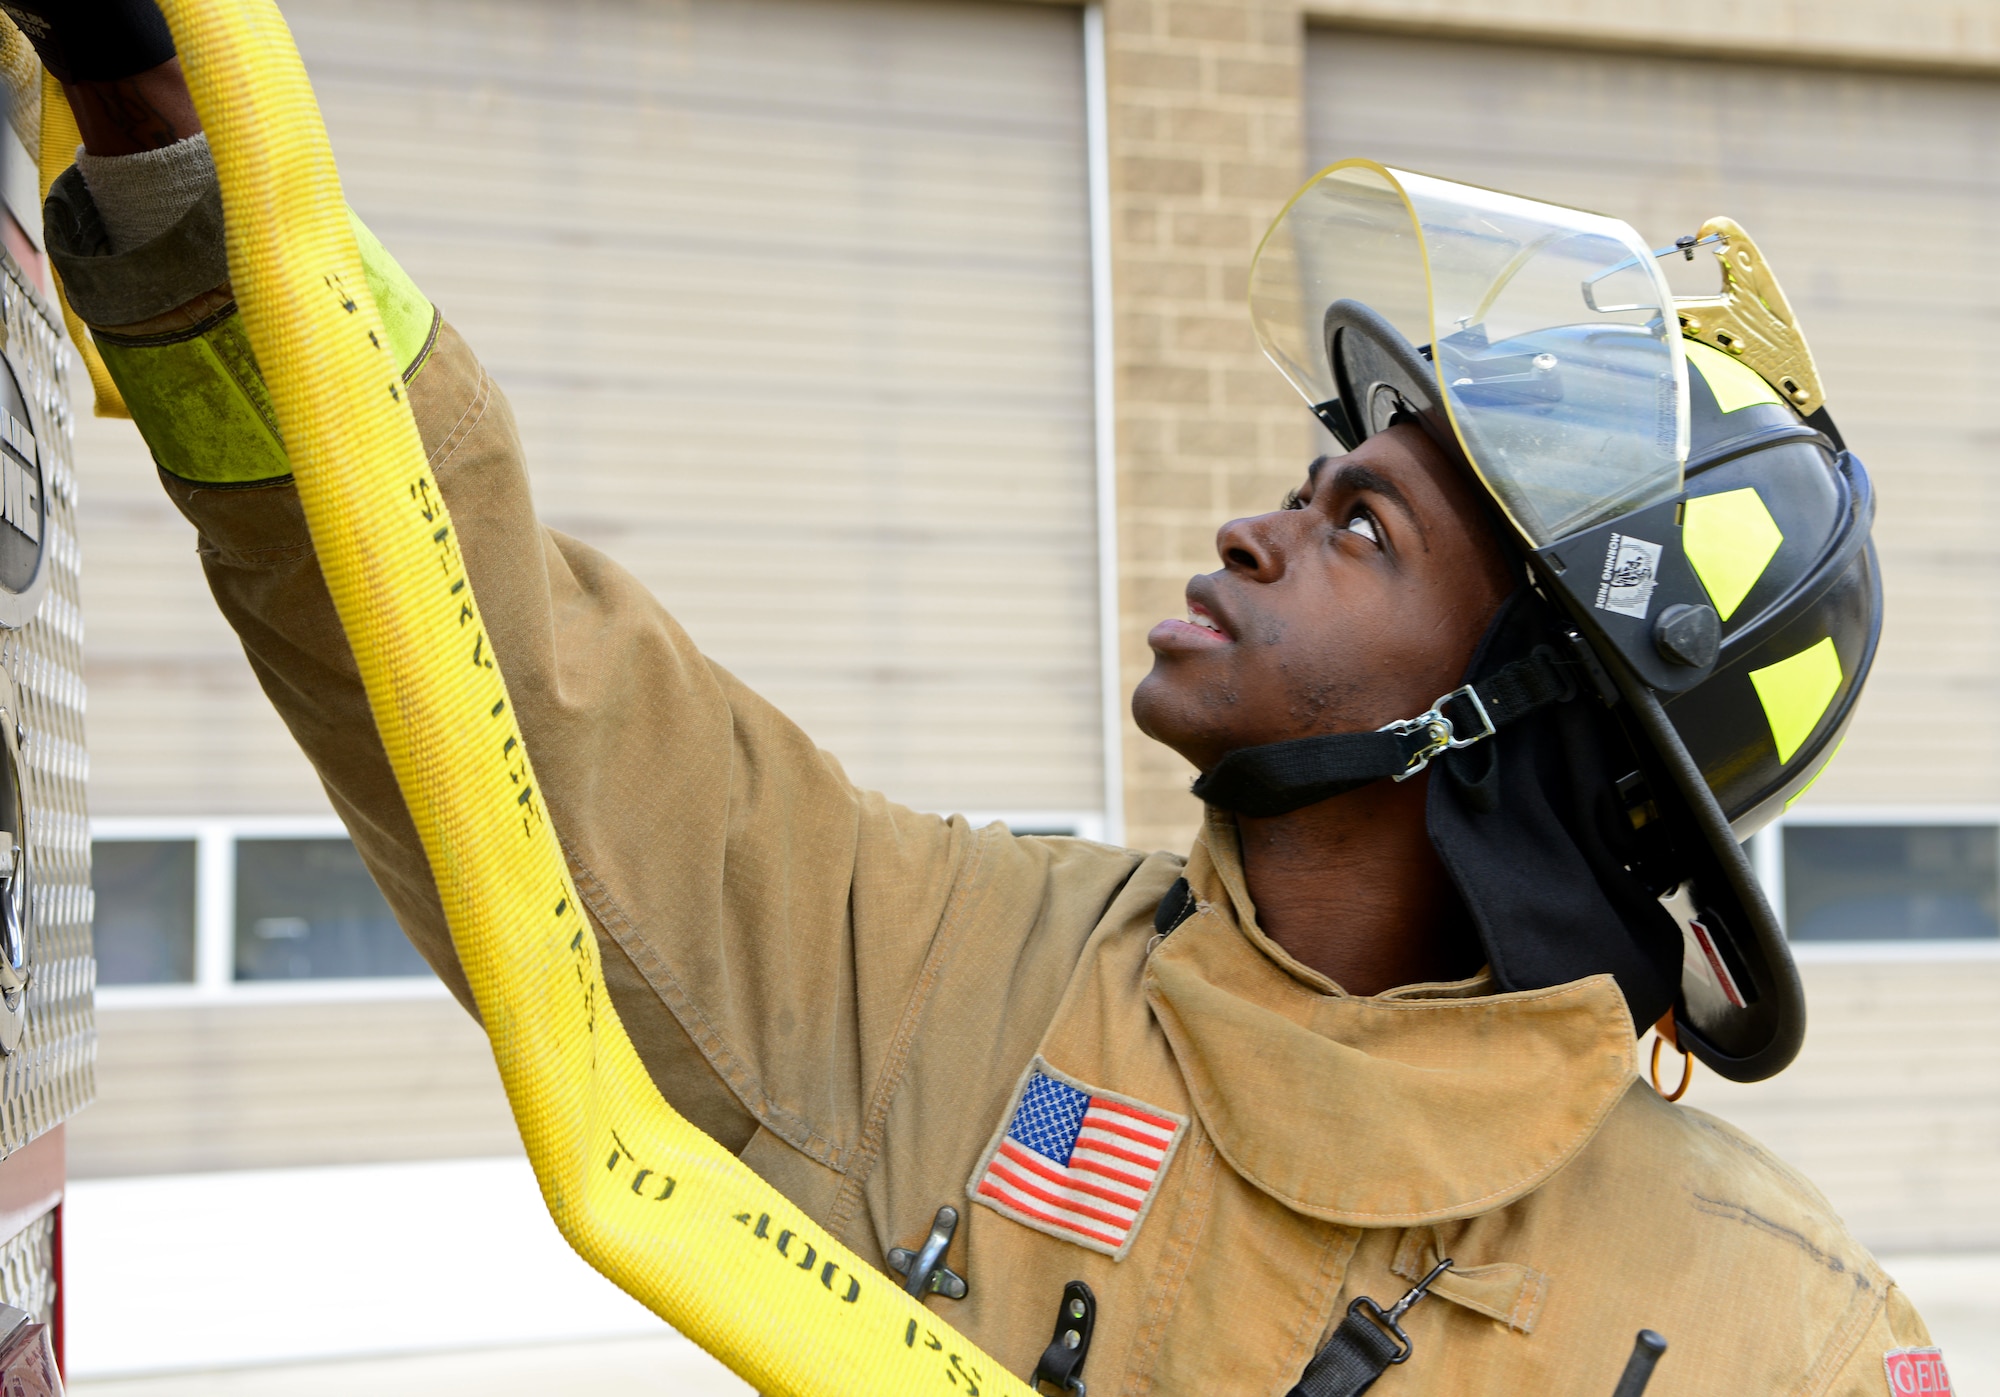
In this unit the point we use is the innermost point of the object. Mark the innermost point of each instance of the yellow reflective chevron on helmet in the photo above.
(1730, 539)
(1795, 693)
(1735, 384)
(1796, 796)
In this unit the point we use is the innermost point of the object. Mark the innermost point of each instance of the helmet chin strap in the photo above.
(1277, 778)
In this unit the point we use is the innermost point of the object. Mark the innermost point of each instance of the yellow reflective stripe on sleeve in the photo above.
(1795, 693)
(407, 315)
(1734, 383)
(200, 403)
(1730, 539)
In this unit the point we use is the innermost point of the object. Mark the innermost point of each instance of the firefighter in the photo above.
(1351, 1088)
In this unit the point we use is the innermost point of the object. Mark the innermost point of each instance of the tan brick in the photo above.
(1153, 599)
(1279, 26)
(1228, 332)
(1141, 332)
(1132, 18)
(1183, 547)
(1141, 121)
(1171, 489)
(1176, 280)
(1144, 432)
(1166, 766)
(1189, 19)
(1260, 181)
(1274, 135)
(1140, 541)
(1187, 124)
(1210, 436)
(1257, 77)
(1161, 383)
(1153, 175)
(1255, 490)
(1257, 384)
(1132, 71)
(1234, 232)
(1140, 464)
(1139, 225)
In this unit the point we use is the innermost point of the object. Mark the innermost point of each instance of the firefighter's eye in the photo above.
(1363, 523)
(1292, 500)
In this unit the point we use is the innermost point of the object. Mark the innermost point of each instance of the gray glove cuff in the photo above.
(141, 196)
(107, 289)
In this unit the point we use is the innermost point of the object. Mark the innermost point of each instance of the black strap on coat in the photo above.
(1279, 777)
(1367, 1344)
(1359, 1352)
(1061, 1365)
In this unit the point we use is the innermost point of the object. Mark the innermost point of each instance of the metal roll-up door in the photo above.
(1873, 194)
(792, 298)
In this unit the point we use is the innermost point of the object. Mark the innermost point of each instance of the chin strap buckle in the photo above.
(1433, 730)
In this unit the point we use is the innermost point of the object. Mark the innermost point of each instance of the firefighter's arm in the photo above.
(1894, 1355)
(769, 931)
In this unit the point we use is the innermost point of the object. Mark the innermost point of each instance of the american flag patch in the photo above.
(1077, 1163)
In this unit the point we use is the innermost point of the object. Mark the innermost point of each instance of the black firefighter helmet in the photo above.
(1703, 603)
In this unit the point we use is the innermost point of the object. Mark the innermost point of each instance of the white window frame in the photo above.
(215, 840)
(1767, 857)
(215, 981)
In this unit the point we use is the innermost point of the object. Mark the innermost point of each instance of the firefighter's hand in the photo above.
(115, 60)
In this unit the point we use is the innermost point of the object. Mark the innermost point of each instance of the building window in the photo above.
(145, 917)
(1886, 878)
(1892, 882)
(306, 909)
(210, 907)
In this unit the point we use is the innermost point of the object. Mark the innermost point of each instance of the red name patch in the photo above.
(1916, 1370)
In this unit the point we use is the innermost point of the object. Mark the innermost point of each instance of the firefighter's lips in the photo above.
(1200, 631)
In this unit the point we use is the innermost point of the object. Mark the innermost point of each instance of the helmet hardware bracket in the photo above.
(1751, 319)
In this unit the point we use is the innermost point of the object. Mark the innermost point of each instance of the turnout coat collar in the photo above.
(1427, 1104)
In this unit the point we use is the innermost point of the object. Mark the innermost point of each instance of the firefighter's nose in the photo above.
(1250, 547)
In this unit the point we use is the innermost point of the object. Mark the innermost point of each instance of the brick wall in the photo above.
(1206, 143)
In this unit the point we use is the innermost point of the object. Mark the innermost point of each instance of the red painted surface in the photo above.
(16, 240)
(31, 1182)
(57, 1329)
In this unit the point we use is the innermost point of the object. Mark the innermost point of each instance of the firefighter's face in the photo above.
(1356, 604)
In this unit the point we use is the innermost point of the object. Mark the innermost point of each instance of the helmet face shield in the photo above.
(1553, 354)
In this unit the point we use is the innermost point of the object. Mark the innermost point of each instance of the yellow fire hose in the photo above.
(645, 1197)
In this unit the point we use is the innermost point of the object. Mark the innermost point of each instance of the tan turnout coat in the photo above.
(849, 994)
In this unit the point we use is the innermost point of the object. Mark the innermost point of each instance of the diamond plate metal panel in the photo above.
(51, 1074)
(27, 1268)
